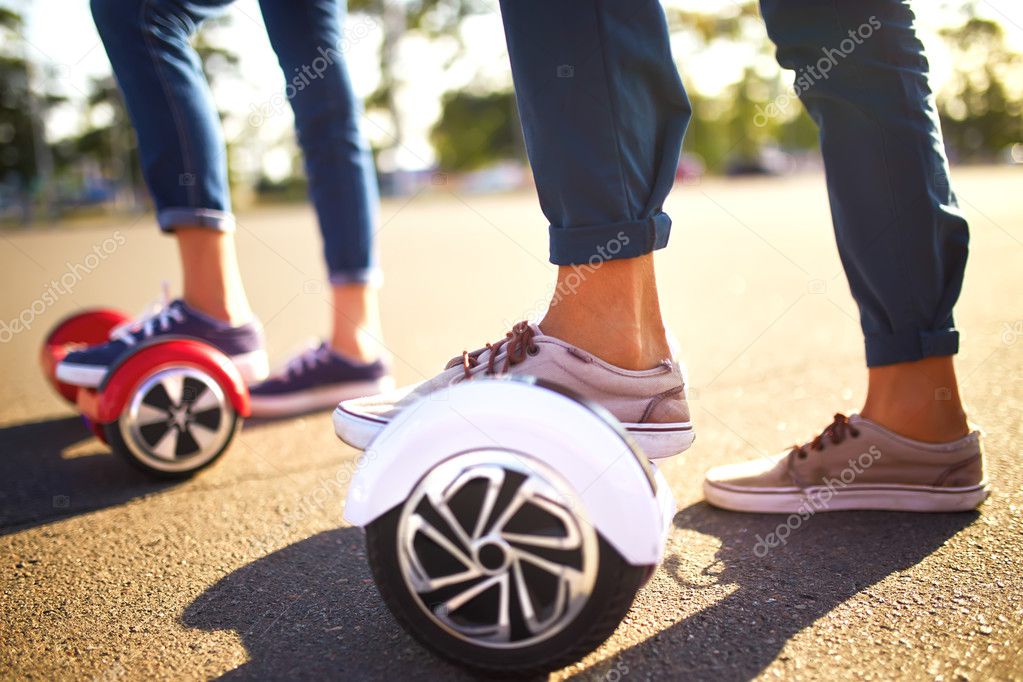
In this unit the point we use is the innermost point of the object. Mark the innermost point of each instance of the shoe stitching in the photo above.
(956, 467)
(657, 400)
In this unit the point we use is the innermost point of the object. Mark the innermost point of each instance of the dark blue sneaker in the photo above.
(243, 344)
(317, 379)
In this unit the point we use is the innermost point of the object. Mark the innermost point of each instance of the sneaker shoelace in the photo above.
(157, 316)
(308, 359)
(518, 343)
(836, 432)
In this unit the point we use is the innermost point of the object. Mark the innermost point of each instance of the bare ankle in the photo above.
(356, 329)
(610, 309)
(212, 280)
(919, 400)
(219, 309)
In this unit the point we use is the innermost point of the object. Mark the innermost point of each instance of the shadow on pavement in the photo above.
(311, 611)
(827, 560)
(42, 482)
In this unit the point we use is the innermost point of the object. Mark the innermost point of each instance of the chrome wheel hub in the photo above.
(495, 550)
(177, 419)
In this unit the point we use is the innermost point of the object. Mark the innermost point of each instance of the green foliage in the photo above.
(434, 19)
(733, 126)
(18, 137)
(980, 117)
(17, 148)
(981, 108)
(736, 125)
(475, 130)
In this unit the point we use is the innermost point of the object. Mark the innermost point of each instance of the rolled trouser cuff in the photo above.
(598, 243)
(371, 276)
(910, 345)
(209, 218)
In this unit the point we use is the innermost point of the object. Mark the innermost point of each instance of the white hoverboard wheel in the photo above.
(526, 525)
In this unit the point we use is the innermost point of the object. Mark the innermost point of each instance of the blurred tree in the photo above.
(109, 137)
(219, 64)
(476, 130)
(981, 118)
(111, 144)
(26, 162)
(731, 128)
(730, 21)
(17, 159)
(433, 19)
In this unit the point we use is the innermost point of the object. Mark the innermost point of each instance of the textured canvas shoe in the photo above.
(243, 344)
(856, 464)
(651, 404)
(317, 379)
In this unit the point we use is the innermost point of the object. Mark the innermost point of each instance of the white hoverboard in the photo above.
(509, 525)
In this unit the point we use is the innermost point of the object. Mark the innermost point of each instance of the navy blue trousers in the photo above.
(604, 114)
(181, 146)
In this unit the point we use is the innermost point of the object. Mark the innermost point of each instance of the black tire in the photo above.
(177, 420)
(616, 586)
(112, 433)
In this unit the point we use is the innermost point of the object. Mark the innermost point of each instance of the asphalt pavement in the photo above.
(248, 572)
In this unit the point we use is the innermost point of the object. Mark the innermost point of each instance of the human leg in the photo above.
(862, 74)
(901, 237)
(181, 145)
(309, 43)
(182, 155)
(603, 112)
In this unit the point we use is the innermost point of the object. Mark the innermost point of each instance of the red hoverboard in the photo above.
(171, 407)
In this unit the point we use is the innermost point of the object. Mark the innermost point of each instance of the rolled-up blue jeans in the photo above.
(604, 113)
(181, 145)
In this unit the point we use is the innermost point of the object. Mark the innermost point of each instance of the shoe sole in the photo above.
(656, 441)
(253, 366)
(87, 376)
(322, 398)
(876, 497)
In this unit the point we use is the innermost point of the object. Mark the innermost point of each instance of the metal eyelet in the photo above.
(533, 350)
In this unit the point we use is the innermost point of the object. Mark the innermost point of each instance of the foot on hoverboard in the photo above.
(170, 406)
(509, 525)
(317, 379)
(244, 344)
(650, 404)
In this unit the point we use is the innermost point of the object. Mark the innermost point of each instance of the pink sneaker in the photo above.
(650, 404)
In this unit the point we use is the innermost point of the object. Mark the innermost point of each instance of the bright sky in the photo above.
(71, 43)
